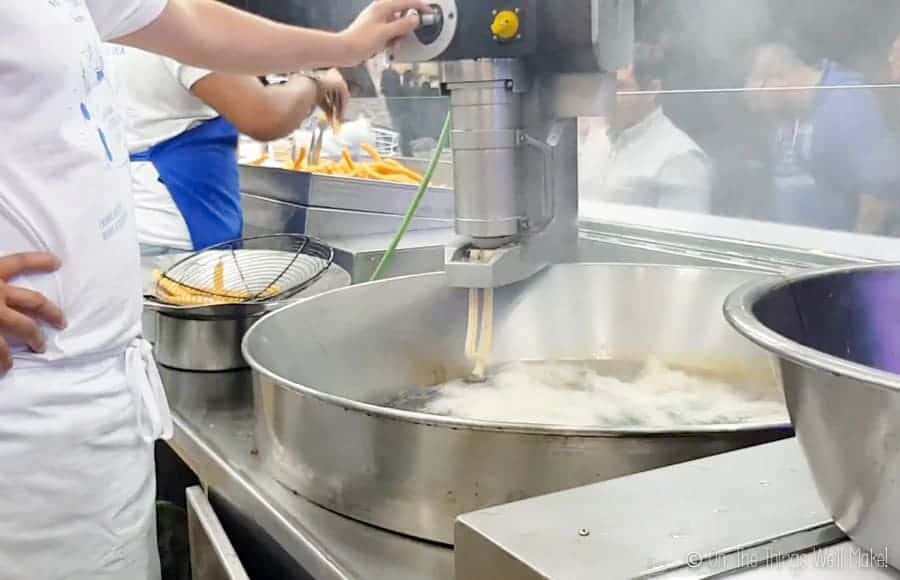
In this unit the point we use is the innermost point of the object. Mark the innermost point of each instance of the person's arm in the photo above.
(20, 308)
(212, 35)
(266, 113)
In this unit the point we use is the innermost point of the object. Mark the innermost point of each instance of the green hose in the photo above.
(414, 206)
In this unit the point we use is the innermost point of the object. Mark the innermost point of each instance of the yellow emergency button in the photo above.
(505, 25)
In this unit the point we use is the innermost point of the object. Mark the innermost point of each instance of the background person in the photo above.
(651, 161)
(834, 157)
(183, 127)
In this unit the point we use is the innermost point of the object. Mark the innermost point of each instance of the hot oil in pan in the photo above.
(604, 394)
(418, 398)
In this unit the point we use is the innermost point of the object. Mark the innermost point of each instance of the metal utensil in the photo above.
(256, 269)
(837, 334)
(315, 143)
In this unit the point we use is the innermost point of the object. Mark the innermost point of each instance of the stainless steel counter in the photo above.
(418, 252)
(218, 445)
(750, 514)
(618, 242)
(693, 521)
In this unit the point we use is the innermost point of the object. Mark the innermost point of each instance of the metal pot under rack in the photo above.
(258, 275)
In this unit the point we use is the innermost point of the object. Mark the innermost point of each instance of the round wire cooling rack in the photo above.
(253, 269)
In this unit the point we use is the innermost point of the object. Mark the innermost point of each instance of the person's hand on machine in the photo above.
(381, 23)
(21, 310)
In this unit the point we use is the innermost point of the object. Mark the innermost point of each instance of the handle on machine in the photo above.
(548, 151)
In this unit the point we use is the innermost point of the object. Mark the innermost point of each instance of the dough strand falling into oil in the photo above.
(486, 338)
(480, 329)
(472, 325)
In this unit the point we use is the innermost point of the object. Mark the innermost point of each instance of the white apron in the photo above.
(77, 493)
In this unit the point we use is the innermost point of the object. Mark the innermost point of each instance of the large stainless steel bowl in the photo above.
(837, 336)
(324, 367)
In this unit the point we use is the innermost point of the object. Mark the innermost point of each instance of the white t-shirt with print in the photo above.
(160, 106)
(64, 179)
(653, 163)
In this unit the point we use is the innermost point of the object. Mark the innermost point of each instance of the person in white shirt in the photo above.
(80, 399)
(183, 127)
(651, 162)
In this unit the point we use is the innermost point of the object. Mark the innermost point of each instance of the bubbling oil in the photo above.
(602, 394)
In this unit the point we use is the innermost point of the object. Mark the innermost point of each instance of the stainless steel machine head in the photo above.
(558, 36)
(518, 74)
